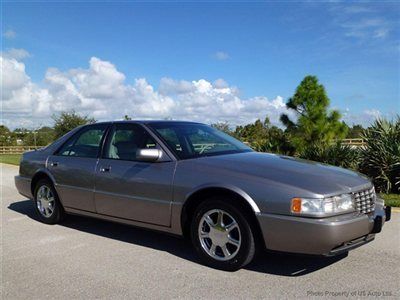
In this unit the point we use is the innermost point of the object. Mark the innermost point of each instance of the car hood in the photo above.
(312, 176)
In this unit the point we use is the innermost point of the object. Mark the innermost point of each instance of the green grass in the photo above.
(12, 159)
(391, 199)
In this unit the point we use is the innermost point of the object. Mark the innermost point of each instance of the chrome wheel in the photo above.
(45, 201)
(219, 235)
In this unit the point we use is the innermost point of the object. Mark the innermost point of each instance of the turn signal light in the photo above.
(296, 205)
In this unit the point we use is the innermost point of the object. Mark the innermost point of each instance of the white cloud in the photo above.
(364, 22)
(10, 34)
(373, 113)
(220, 83)
(13, 76)
(221, 55)
(102, 91)
(366, 117)
(381, 33)
(168, 86)
(17, 54)
(366, 27)
(357, 9)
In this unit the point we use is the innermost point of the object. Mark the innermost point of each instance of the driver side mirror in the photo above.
(148, 155)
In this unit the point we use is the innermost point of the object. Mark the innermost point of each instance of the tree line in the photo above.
(44, 135)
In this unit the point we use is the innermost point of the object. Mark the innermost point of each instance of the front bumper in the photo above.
(324, 236)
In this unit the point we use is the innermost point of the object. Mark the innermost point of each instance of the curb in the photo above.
(396, 209)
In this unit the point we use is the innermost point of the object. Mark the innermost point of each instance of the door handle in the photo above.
(105, 169)
(54, 164)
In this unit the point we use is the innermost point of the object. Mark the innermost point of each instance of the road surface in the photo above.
(88, 258)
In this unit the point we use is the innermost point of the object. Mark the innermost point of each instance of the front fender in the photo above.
(225, 186)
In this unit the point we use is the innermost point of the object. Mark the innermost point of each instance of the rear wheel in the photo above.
(47, 203)
(221, 235)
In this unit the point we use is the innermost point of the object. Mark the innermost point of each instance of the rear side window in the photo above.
(86, 143)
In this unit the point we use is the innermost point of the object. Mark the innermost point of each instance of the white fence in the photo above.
(354, 142)
(198, 147)
(16, 149)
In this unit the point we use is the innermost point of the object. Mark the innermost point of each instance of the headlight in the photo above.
(321, 206)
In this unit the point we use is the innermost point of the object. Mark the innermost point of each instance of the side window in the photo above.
(171, 138)
(125, 140)
(85, 143)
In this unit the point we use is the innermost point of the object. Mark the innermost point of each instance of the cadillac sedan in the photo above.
(192, 180)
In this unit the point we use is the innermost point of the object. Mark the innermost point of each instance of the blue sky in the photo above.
(258, 49)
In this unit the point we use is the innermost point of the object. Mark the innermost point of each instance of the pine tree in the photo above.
(315, 124)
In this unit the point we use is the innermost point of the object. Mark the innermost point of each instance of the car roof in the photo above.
(158, 122)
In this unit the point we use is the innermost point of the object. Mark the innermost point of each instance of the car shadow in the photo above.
(268, 262)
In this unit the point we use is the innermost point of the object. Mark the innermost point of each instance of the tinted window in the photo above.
(190, 140)
(86, 143)
(170, 136)
(125, 140)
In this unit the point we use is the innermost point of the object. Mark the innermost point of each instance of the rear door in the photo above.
(131, 189)
(73, 167)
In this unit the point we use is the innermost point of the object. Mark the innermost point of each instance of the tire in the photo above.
(203, 236)
(47, 203)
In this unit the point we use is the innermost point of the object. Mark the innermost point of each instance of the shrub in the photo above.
(380, 159)
(391, 199)
(264, 137)
(338, 155)
(67, 121)
(277, 142)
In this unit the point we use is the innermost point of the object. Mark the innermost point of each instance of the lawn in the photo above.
(391, 199)
(12, 159)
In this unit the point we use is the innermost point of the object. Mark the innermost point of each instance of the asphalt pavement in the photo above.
(89, 258)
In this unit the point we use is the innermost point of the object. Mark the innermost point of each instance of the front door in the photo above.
(73, 167)
(131, 189)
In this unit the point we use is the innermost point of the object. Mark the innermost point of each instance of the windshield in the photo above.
(189, 140)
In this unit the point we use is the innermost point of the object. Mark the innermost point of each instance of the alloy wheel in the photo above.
(219, 235)
(45, 201)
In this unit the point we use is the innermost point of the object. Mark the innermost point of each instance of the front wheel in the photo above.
(221, 235)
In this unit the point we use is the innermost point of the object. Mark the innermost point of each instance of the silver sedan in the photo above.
(189, 179)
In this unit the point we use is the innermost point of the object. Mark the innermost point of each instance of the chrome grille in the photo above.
(365, 200)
